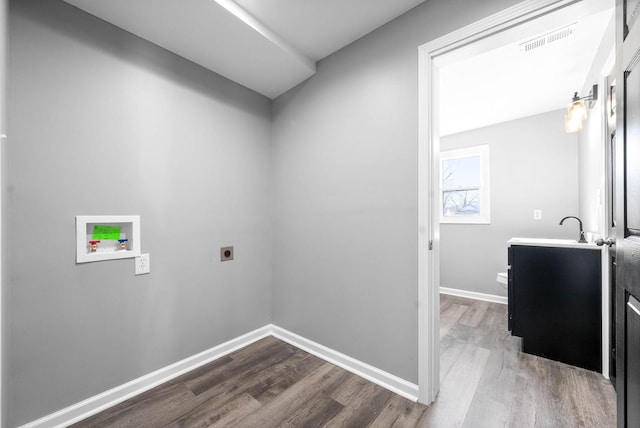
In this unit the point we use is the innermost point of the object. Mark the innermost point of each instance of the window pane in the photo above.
(461, 172)
(461, 202)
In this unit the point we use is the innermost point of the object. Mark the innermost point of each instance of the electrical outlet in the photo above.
(226, 254)
(143, 264)
(537, 214)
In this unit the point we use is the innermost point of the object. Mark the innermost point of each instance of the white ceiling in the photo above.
(317, 28)
(271, 46)
(266, 45)
(502, 82)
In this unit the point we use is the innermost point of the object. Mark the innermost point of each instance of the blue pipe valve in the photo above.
(123, 243)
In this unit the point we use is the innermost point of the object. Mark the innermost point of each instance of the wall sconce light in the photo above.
(577, 110)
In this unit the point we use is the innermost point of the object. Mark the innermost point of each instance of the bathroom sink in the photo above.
(551, 242)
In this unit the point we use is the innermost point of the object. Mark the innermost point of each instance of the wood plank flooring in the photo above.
(509, 388)
(485, 382)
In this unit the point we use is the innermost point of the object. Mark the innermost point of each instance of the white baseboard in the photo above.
(473, 295)
(100, 402)
(103, 401)
(386, 380)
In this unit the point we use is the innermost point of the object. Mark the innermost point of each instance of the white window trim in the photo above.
(485, 200)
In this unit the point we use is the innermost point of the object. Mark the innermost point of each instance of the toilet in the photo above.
(502, 278)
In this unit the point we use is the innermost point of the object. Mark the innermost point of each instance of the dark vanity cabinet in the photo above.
(555, 302)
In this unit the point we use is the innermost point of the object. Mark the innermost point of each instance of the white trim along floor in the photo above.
(102, 401)
(473, 295)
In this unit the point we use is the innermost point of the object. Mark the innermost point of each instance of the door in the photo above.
(611, 258)
(609, 270)
(628, 212)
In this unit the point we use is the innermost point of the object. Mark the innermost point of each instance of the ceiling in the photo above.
(495, 80)
(269, 46)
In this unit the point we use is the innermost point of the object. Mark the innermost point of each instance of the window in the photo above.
(464, 185)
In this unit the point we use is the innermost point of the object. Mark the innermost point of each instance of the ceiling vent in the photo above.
(548, 38)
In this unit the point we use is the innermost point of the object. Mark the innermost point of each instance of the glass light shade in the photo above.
(572, 124)
(577, 110)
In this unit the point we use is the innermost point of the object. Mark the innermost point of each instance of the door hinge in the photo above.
(430, 245)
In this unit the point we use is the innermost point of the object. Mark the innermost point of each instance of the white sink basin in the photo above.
(549, 242)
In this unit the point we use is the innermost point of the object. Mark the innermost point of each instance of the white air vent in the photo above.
(549, 38)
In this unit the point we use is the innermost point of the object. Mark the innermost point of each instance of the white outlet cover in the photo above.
(143, 264)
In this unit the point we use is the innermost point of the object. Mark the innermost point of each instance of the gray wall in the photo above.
(102, 122)
(591, 141)
(346, 185)
(534, 165)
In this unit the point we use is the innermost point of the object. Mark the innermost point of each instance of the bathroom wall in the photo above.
(346, 192)
(592, 137)
(533, 165)
(102, 122)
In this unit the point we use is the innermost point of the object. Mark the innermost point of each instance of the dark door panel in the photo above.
(627, 189)
(632, 310)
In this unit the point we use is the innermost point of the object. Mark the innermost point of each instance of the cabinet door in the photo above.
(557, 303)
(509, 293)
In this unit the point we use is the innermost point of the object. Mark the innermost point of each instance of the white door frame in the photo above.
(428, 175)
(3, 55)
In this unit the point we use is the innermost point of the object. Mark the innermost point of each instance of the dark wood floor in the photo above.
(486, 382)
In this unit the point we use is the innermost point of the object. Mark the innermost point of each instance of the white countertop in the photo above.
(548, 242)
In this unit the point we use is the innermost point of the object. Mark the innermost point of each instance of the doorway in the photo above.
(497, 30)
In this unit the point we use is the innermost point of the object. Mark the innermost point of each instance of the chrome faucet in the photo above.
(582, 239)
